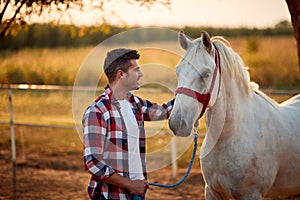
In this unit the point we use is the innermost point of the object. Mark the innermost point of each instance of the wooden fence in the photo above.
(12, 124)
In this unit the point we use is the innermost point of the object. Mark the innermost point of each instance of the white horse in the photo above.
(252, 145)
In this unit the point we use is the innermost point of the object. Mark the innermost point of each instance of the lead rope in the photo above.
(188, 170)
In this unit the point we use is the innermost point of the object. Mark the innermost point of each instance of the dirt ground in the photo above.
(53, 170)
(39, 181)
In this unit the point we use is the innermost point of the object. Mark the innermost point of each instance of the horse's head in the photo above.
(198, 83)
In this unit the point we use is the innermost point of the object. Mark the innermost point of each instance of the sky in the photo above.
(217, 13)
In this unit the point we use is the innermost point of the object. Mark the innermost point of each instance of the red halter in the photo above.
(204, 98)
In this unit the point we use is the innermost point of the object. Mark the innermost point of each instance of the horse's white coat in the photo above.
(252, 144)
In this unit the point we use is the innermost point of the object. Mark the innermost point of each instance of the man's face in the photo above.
(132, 76)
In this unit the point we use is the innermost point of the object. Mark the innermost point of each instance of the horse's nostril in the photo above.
(180, 127)
(184, 124)
(175, 124)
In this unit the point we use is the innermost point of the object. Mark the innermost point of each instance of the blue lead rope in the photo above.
(187, 172)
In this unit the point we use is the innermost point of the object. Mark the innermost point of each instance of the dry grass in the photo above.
(272, 64)
(42, 66)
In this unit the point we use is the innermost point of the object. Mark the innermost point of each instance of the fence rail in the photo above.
(90, 88)
(39, 125)
(46, 87)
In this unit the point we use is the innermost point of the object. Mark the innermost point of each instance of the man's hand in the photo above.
(139, 187)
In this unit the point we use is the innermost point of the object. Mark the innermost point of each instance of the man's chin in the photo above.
(137, 87)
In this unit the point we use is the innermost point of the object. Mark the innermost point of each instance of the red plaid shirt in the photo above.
(105, 140)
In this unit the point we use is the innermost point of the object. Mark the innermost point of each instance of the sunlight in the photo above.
(249, 13)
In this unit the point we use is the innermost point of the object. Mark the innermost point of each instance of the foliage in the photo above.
(14, 13)
(280, 29)
(50, 35)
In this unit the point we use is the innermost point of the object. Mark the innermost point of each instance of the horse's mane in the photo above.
(237, 68)
(234, 63)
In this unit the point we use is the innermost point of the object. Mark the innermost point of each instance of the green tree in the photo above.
(283, 24)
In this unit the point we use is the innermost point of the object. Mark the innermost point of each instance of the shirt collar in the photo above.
(109, 94)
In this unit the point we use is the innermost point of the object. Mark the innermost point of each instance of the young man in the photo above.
(114, 134)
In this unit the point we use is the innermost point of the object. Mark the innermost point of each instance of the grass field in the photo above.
(272, 62)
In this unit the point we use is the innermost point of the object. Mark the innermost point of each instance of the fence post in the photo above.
(174, 158)
(13, 142)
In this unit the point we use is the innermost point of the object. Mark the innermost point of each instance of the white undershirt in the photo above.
(134, 159)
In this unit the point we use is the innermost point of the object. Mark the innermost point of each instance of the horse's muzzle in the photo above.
(180, 127)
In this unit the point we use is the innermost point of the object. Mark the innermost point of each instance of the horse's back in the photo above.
(288, 177)
(290, 117)
(290, 112)
(292, 102)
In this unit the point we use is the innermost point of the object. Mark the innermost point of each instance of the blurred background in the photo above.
(43, 45)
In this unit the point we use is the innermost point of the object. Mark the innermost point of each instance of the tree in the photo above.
(14, 13)
(294, 8)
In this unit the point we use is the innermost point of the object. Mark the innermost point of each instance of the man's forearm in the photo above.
(118, 180)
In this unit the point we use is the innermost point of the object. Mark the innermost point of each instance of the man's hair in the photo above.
(118, 59)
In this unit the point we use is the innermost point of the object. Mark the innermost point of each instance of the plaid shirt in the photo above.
(105, 140)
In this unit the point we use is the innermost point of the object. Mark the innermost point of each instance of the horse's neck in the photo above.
(221, 117)
(227, 108)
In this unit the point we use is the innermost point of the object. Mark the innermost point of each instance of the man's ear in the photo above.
(120, 74)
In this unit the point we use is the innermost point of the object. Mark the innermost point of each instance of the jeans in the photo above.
(137, 197)
(133, 197)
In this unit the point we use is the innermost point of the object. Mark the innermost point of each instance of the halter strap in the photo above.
(204, 98)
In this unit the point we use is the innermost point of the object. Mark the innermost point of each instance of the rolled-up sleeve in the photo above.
(94, 129)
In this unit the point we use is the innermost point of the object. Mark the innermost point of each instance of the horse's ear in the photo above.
(206, 41)
(183, 40)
